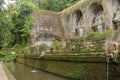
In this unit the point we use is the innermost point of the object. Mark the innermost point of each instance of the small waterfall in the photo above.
(40, 56)
(35, 69)
(108, 61)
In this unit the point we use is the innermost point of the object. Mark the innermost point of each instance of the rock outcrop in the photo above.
(77, 20)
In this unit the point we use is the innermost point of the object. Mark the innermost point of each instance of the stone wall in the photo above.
(74, 67)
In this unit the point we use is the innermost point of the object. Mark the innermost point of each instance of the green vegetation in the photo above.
(43, 47)
(1, 4)
(15, 27)
(98, 36)
(15, 24)
(53, 5)
(22, 23)
(77, 67)
(7, 55)
(91, 42)
(56, 46)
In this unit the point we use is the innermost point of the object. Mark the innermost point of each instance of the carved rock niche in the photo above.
(116, 15)
(98, 20)
(78, 23)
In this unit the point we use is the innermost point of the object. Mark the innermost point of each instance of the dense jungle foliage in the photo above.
(54, 5)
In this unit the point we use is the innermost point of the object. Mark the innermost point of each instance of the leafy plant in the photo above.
(98, 36)
(77, 43)
(2, 54)
(55, 5)
(43, 47)
(7, 55)
(5, 27)
(57, 46)
(22, 22)
(17, 48)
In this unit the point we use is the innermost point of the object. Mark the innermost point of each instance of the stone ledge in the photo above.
(92, 58)
(5, 74)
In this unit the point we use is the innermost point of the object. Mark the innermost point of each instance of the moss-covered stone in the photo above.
(96, 71)
(77, 67)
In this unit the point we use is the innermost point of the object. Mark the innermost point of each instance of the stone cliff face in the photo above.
(91, 15)
(77, 20)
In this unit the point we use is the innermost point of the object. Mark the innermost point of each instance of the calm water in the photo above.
(22, 72)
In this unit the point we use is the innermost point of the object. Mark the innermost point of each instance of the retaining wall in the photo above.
(73, 66)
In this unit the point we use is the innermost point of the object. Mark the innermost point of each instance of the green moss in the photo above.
(69, 66)
(95, 71)
(20, 60)
(37, 14)
(73, 70)
(77, 67)
(81, 5)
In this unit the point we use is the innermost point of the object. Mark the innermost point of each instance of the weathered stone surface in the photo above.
(46, 28)
(77, 20)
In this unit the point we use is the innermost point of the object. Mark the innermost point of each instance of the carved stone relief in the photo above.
(116, 17)
(81, 31)
(98, 21)
(78, 23)
(43, 40)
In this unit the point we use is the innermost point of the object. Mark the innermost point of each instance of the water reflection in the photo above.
(22, 72)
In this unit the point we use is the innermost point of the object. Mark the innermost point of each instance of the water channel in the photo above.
(22, 72)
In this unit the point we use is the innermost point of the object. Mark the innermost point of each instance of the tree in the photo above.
(1, 4)
(5, 26)
(22, 22)
(55, 5)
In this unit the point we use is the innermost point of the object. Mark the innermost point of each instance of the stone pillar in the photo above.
(108, 13)
(86, 23)
(71, 26)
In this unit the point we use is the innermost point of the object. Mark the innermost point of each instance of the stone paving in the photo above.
(2, 73)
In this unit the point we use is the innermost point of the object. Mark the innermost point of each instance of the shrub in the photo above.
(57, 46)
(2, 54)
(98, 36)
(77, 43)
(17, 48)
(43, 47)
